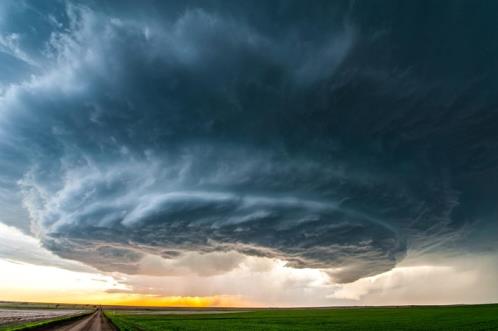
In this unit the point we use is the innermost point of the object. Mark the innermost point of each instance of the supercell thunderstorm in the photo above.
(311, 134)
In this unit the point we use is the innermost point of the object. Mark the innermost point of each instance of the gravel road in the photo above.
(94, 322)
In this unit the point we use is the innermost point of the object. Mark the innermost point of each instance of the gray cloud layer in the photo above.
(332, 136)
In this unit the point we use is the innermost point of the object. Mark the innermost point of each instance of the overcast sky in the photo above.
(260, 153)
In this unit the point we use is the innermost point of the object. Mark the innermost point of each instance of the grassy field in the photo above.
(478, 317)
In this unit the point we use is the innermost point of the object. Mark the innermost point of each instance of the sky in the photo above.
(262, 153)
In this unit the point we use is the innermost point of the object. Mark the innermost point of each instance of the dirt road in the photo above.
(94, 322)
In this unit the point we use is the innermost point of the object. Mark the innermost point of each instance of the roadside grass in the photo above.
(462, 318)
(41, 323)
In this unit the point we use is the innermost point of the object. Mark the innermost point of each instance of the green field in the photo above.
(478, 317)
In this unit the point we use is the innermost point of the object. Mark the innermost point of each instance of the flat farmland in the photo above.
(16, 315)
(478, 317)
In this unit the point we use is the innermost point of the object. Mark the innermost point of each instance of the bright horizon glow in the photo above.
(24, 282)
(32, 283)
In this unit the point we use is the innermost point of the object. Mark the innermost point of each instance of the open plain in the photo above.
(471, 318)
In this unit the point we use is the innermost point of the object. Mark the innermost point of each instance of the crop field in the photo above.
(478, 317)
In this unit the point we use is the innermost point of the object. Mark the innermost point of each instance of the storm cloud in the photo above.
(335, 136)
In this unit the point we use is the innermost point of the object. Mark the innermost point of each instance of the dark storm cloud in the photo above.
(333, 135)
